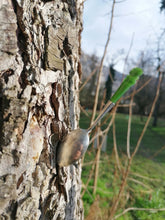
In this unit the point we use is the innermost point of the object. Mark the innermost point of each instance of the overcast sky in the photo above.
(142, 17)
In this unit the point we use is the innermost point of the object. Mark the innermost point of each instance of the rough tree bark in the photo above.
(40, 73)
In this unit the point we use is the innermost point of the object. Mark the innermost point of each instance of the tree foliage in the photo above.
(109, 82)
(162, 7)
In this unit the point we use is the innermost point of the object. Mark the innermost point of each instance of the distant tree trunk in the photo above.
(156, 112)
(157, 106)
(40, 72)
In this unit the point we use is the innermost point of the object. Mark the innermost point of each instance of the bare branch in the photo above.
(89, 77)
(115, 146)
(101, 64)
(149, 117)
(157, 152)
(144, 177)
(83, 110)
(138, 209)
(89, 178)
(129, 123)
(140, 183)
(129, 50)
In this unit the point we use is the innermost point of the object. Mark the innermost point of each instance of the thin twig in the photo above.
(149, 117)
(115, 145)
(97, 164)
(88, 78)
(91, 162)
(138, 209)
(98, 151)
(101, 64)
(84, 111)
(100, 133)
(138, 90)
(140, 183)
(129, 123)
(141, 191)
(90, 176)
(129, 50)
(145, 177)
(157, 152)
(110, 75)
(125, 105)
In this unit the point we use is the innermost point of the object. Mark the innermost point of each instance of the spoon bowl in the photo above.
(72, 147)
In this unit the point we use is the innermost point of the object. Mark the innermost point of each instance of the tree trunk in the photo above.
(40, 73)
(157, 105)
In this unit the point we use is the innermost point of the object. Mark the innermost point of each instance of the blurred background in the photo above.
(124, 169)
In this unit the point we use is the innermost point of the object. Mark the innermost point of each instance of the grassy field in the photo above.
(146, 182)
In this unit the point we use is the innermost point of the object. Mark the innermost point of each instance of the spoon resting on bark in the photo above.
(75, 143)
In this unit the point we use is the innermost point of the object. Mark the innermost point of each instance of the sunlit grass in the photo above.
(146, 182)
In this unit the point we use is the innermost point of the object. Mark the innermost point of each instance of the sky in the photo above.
(138, 20)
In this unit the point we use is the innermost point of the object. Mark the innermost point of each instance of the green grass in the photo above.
(153, 140)
(146, 183)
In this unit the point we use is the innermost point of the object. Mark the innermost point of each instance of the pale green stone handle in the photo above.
(129, 81)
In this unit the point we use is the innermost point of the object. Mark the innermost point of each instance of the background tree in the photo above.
(109, 82)
(144, 98)
(89, 65)
(162, 7)
(160, 52)
(40, 73)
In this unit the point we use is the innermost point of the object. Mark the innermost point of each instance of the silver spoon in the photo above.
(75, 143)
